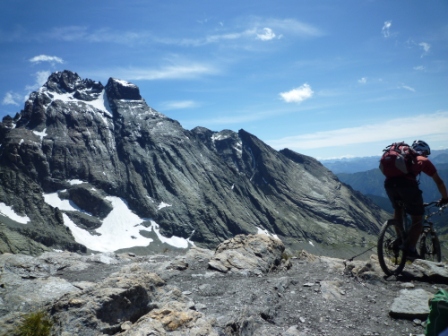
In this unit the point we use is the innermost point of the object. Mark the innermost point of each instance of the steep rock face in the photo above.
(203, 185)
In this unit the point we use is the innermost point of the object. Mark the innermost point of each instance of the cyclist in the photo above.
(405, 188)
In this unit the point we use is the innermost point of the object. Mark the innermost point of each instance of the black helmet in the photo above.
(421, 147)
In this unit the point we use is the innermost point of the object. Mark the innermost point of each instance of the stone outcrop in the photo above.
(251, 255)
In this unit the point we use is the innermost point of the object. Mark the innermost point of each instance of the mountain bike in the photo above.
(391, 254)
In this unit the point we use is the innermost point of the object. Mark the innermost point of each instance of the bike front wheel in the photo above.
(430, 247)
(391, 256)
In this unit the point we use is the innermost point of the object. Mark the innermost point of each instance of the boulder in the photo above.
(248, 254)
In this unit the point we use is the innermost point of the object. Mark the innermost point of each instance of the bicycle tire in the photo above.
(391, 256)
(430, 247)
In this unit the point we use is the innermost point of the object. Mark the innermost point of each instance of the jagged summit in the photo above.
(79, 146)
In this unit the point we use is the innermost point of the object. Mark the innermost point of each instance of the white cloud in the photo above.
(407, 88)
(178, 71)
(40, 79)
(426, 47)
(12, 98)
(178, 105)
(292, 27)
(267, 35)
(297, 95)
(363, 80)
(419, 68)
(422, 126)
(386, 28)
(245, 28)
(46, 58)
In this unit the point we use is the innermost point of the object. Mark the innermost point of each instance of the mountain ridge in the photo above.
(216, 184)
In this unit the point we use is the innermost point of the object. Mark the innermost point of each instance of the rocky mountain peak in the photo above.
(65, 81)
(85, 162)
(120, 89)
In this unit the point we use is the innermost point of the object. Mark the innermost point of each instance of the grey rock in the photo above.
(248, 254)
(127, 297)
(13, 242)
(411, 304)
(432, 270)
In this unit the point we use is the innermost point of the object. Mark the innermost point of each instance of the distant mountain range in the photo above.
(91, 167)
(371, 181)
(361, 164)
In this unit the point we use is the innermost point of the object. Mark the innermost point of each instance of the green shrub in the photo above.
(34, 324)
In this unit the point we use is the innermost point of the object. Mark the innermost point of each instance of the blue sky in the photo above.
(325, 78)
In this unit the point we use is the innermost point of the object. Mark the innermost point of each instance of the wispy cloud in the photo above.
(406, 87)
(426, 47)
(291, 27)
(46, 58)
(254, 28)
(419, 68)
(184, 70)
(12, 98)
(178, 105)
(297, 95)
(386, 28)
(40, 79)
(426, 125)
(362, 80)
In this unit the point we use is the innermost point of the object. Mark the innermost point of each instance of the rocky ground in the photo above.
(247, 286)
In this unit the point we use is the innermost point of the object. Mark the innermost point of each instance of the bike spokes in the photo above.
(390, 253)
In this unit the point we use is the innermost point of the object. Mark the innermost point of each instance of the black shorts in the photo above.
(408, 192)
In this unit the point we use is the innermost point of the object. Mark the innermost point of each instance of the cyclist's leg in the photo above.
(398, 218)
(415, 231)
(394, 197)
(413, 202)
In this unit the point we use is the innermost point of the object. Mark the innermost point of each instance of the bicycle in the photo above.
(391, 255)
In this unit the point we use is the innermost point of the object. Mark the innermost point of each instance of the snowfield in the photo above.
(120, 229)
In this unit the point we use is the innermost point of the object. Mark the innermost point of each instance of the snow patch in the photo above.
(219, 136)
(173, 241)
(101, 103)
(266, 232)
(163, 205)
(54, 200)
(124, 83)
(7, 211)
(42, 134)
(120, 229)
(75, 182)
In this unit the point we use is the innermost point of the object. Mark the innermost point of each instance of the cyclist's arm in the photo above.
(440, 185)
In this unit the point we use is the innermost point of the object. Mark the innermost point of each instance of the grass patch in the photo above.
(36, 323)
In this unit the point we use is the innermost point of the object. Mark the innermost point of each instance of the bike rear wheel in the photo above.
(430, 247)
(391, 256)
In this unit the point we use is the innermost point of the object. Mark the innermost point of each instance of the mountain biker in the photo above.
(405, 188)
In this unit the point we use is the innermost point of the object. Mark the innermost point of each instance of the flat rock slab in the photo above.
(432, 270)
(411, 304)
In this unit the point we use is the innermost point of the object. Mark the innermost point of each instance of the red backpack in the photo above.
(397, 160)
